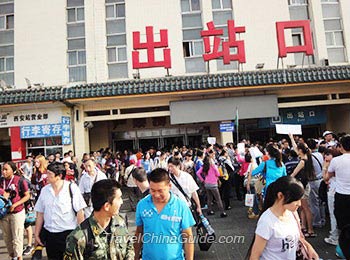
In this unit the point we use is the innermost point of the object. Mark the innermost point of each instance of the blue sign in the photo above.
(48, 130)
(299, 116)
(66, 136)
(227, 127)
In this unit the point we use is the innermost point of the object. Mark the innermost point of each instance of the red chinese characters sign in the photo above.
(283, 49)
(150, 45)
(221, 48)
(226, 45)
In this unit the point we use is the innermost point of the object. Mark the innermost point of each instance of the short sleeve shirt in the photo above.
(340, 166)
(187, 183)
(282, 236)
(162, 231)
(58, 210)
(14, 184)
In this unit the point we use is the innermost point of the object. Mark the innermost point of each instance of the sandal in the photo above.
(310, 235)
(304, 230)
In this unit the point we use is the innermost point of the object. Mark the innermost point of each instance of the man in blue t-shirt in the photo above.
(163, 222)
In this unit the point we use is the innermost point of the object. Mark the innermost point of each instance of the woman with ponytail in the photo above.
(304, 172)
(277, 234)
(209, 174)
(273, 168)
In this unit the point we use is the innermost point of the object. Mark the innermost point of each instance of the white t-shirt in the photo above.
(282, 236)
(341, 167)
(187, 183)
(85, 185)
(58, 210)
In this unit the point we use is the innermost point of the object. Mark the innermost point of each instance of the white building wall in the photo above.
(40, 42)
(160, 15)
(95, 36)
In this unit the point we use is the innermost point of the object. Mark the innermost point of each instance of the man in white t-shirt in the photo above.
(90, 175)
(340, 168)
(186, 181)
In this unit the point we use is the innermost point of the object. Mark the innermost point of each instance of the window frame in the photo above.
(191, 11)
(191, 48)
(76, 14)
(221, 7)
(77, 58)
(115, 11)
(5, 64)
(116, 54)
(292, 3)
(5, 28)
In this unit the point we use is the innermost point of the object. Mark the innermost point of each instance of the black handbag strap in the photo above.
(177, 184)
(317, 160)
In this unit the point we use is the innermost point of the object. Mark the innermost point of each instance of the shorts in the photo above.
(307, 192)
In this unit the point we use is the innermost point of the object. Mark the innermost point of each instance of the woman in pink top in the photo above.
(209, 174)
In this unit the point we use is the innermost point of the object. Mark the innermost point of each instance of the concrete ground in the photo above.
(236, 230)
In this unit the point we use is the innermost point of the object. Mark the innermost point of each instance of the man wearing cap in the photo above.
(328, 138)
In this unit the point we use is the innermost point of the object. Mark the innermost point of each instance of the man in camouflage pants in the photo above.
(104, 234)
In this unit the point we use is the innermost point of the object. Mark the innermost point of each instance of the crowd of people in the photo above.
(294, 183)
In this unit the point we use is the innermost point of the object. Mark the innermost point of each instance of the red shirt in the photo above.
(13, 184)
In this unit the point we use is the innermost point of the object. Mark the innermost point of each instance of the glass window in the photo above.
(72, 58)
(75, 30)
(2, 64)
(9, 64)
(110, 11)
(198, 48)
(192, 20)
(80, 14)
(195, 5)
(118, 70)
(6, 51)
(2, 22)
(185, 6)
(330, 10)
(120, 10)
(71, 15)
(194, 65)
(339, 41)
(77, 73)
(112, 56)
(192, 34)
(122, 54)
(329, 39)
(116, 40)
(10, 22)
(216, 4)
(6, 37)
(220, 18)
(81, 57)
(336, 55)
(76, 44)
(227, 4)
(116, 26)
(72, 3)
(331, 25)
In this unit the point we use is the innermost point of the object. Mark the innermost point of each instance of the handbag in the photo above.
(249, 200)
(302, 252)
(205, 240)
(260, 182)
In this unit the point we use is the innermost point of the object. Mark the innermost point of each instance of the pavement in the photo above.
(233, 234)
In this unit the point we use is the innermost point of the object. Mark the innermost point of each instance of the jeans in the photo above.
(314, 202)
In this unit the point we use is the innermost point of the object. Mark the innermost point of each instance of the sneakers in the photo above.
(253, 216)
(331, 241)
(28, 250)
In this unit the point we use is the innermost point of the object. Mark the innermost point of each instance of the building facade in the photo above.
(83, 61)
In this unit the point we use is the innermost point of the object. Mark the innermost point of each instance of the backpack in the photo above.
(4, 206)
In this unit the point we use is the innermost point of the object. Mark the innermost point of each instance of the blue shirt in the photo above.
(273, 172)
(162, 233)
